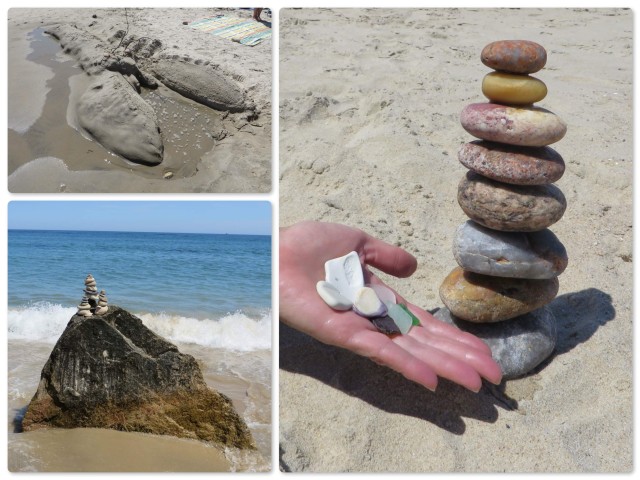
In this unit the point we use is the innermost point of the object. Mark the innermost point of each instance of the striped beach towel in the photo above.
(246, 32)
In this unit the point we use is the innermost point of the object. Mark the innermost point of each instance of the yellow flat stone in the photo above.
(513, 89)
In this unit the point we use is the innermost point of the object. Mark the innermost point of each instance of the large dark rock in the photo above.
(111, 371)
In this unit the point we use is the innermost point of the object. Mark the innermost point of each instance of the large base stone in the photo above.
(518, 345)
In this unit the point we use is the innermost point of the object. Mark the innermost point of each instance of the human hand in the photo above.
(426, 352)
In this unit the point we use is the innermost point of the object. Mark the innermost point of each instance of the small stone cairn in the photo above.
(508, 260)
(102, 304)
(92, 303)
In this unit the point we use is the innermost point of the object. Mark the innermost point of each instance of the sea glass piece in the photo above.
(400, 316)
(414, 320)
(385, 294)
(385, 325)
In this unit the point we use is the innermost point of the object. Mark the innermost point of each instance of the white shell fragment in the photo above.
(345, 274)
(385, 294)
(401, 318)
(332, 296)
(367, 303)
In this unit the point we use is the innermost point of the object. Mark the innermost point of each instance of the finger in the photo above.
(381, 349)
(388, 258)
(442, 329)
(478, 360)
(445, 365)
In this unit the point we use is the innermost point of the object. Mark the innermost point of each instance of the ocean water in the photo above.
(209, 294)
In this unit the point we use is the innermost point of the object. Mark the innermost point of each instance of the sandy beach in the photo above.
(205, 149)
(369, 132)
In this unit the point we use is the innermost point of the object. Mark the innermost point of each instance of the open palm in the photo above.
(426, 352)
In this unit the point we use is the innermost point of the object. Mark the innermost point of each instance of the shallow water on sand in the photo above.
(188, 128)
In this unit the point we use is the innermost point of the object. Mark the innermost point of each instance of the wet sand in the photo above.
(99, 450)
(205, 150)
(238, 375)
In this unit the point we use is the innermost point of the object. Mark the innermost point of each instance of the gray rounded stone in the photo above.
(518, 345)
(510, 208)
(535, 255)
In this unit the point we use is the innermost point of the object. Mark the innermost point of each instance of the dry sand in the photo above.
(205, 150)
(369, 106)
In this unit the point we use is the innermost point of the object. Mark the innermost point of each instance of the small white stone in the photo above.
(368, 304)
(332, 296)
(345, 274)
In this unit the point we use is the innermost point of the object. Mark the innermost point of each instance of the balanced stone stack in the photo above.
(102, 303)
(84, 309)
(92, 303)
(91, 291)
(508, 259)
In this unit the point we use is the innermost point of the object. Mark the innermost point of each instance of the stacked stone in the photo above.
(508, 260)
(91, 291)
(84, 309)
(102, 303)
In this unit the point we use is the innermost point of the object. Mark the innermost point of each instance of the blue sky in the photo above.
(253, 218)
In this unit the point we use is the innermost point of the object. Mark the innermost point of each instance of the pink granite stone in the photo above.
(523, 126)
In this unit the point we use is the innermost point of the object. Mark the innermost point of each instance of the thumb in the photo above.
(388, 258)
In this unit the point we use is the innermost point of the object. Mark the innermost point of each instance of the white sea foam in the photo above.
(42, 321)
(234, 331)
(45, 322)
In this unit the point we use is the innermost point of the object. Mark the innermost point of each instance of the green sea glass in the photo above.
(414, 320)
(400, 316)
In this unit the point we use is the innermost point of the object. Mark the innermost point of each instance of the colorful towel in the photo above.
(246, 32)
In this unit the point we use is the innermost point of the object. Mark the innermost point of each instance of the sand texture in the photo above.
(370, 102)
(194, 114)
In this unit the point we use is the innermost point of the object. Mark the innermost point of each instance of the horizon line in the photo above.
(133, 231)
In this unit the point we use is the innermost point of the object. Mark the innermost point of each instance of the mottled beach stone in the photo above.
(514, 56)
(519, 345)
(513, 89)
(512, 164)
(535, 255)
(487, 299)
(525, 126)
(510, 208)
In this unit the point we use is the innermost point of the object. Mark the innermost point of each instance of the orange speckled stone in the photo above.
(514, 56)
(487, 299)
